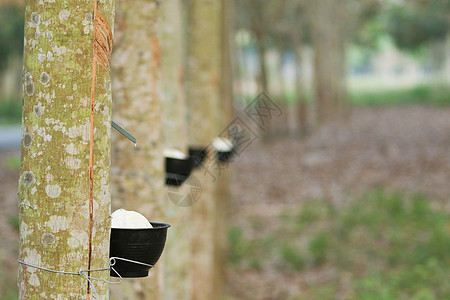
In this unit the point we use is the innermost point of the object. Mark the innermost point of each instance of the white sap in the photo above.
(222, 144)
(174, 153)
(122, 218)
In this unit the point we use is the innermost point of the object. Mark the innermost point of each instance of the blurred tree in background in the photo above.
(11, 50)
(274, 44)
(418, 23)
(11, 33)
(423, 24)
(272, 38)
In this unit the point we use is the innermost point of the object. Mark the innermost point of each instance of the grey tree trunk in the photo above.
(138, 172)
(329, 59)
(299, 84)
(260, 43)
(226, 116)
(202, 95)
(64, 187)
(177, 251)
(172, 80)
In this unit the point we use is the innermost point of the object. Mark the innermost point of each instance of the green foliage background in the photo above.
(390, 246)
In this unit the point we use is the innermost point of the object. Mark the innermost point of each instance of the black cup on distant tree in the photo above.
(178, 167)
(197, 155)
(224, 149)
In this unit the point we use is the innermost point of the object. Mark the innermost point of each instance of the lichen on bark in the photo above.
(54, 184)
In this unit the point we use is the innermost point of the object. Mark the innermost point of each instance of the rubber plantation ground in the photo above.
(357, 210)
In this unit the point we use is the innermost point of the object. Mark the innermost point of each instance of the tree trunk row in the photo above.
(65, 199)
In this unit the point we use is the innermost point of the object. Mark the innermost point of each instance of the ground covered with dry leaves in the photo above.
(356, 210)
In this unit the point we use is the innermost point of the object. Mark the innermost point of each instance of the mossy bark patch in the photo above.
(54, 182)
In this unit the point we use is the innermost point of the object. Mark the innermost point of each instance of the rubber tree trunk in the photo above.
(172, 81)
(338, 66)
(299, 84)
(177, 250)
(227, 67)
(64, 187)
(329, 60)
(322, 80)
(277, 80)
(138, 172)
(225, 118)
(262, 60)
(202, 92)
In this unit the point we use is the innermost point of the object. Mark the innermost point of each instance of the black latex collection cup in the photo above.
(144, 245)
(197, 156)
(177, 170)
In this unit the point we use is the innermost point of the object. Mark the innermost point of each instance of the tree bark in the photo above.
(177, 251)
(226, 116)
(138, 172)
(202, 92)
(226, 86)
(64, 187)
(172, 81)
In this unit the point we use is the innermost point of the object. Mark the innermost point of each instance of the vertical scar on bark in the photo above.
(102, 48)
(103, 40)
